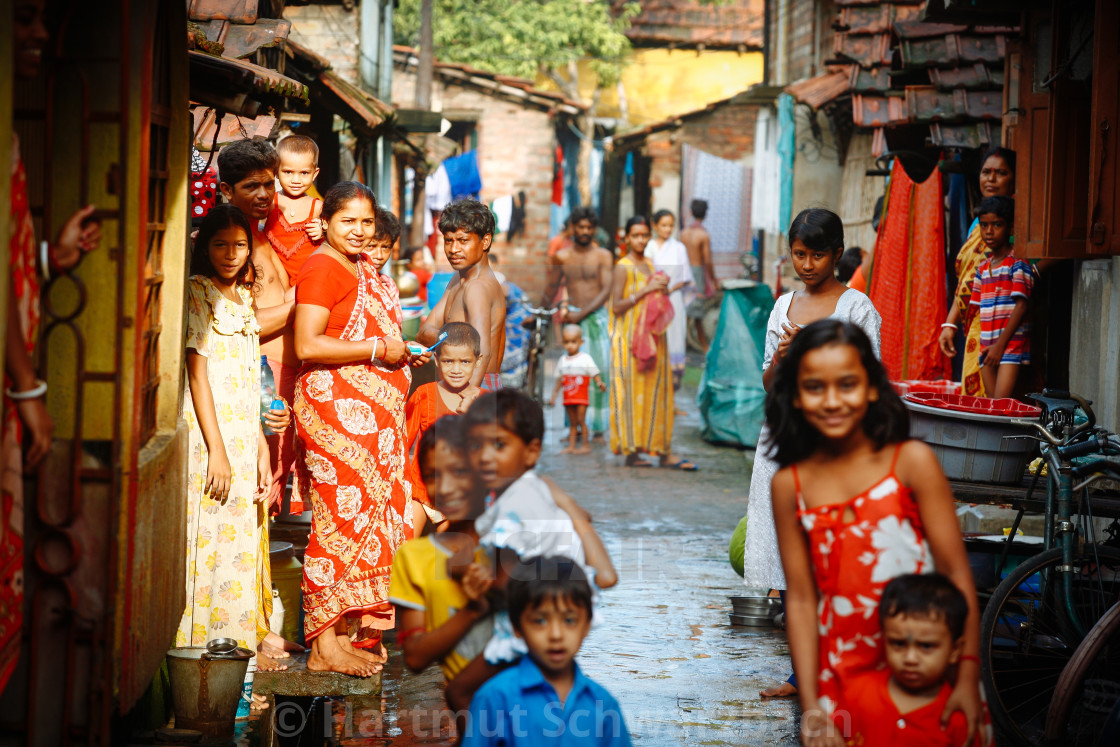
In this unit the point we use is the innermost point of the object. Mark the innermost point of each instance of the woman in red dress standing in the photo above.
(349, 408)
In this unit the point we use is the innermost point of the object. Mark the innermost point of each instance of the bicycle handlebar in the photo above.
(546, 313)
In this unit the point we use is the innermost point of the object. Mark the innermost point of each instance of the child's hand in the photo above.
(476, 582)
(278, 420)
(602, 385)
(945, 342)
(818, 730)
(395, 350)
(467, 397)
(419, 360)
(314, 229)
(552, 402)
(264, 477)
(218, 475)
(789, 331)
(991, 355)
(80, 234)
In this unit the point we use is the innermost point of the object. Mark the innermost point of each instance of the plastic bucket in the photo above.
(205, 693)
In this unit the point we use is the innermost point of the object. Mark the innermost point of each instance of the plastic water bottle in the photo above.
(244, 706)
(269, 400)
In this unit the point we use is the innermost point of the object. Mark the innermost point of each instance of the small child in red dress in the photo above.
(293, 226)
(574, 374)
(922, 617)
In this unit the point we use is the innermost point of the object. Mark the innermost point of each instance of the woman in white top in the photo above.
(816, 241)
(670, 256)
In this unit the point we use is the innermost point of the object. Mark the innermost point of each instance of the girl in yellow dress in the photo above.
(641, 395)
(229, 472)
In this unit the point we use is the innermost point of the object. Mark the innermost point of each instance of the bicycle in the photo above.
(538, 323)
(1045, 608)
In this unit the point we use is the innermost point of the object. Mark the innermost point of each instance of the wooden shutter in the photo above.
(1104, 171)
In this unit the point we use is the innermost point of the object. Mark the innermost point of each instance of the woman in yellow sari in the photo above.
(997, 179)
(641, 389)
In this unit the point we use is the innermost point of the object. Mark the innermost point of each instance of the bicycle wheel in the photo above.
(1088, 689)
(1027, 635)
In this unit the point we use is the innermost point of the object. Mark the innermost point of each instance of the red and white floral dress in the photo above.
(853, 559)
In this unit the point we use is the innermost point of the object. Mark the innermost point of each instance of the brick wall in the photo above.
(727, 132)
(329, 30)
(808, 38)
(515, 153)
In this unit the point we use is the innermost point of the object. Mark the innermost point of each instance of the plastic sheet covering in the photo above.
(731, 395)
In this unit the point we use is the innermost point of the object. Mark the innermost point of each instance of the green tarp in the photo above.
(731, 396)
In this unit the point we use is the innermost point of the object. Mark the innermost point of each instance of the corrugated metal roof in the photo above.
(819, 90)
(674, 122)
(733, 23)
(260, 80)
(364, 111)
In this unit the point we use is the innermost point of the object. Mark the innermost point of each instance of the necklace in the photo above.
(351, 264)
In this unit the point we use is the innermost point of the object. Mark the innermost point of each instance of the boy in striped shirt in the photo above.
(1000, 294)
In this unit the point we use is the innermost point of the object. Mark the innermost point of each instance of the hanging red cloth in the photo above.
(908, 278)
(558, 177)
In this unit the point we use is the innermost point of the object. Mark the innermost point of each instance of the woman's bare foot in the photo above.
(328, 656)
(784, 690)
(569, 449)
(281, 644)
(585, 449)
(377, 656)
(260, 703)
(266, 663)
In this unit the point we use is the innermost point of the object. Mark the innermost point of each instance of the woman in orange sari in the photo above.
(997, 179)
(349, 408)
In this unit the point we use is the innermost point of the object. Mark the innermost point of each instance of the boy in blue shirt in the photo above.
(545, 699)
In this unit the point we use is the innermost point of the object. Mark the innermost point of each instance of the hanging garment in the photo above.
(502, 208)
(908, 278)
(517, 217)
(437, 189)
(463, 175)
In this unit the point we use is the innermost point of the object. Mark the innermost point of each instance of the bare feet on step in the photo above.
(266, 663)
(585, 449)
(569, 449)
(279, 648)
(376, 655)
(327, 655)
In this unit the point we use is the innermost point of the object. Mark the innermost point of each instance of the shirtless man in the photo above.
(247, 169)
(699, 244)
(475, 296)
(584, 268)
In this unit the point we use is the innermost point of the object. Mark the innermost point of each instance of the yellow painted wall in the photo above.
(663, 83)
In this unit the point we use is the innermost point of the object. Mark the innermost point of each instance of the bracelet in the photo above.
(948, 325)
(970, 657)
(34, 392)
(373, 356)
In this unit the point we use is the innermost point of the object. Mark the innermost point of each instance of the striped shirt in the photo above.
(998, 285)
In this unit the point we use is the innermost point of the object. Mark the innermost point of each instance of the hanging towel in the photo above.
(654, 318)
(517, 217)
(503, 212)
(462, 173)
(437, 189)
(908, 278)
(558, 177)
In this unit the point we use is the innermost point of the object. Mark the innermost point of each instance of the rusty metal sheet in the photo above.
(920, 30)
(819, 90)
(232, 128)
(238, 11)
(362, 110)
(870, 80)
(243, 40)
(866, 51)
(951, 50)
(878, 111)
(974, 78)
(693, 23)
(971, 135)
(874, 19)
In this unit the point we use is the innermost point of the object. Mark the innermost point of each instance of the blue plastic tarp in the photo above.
(731, 395)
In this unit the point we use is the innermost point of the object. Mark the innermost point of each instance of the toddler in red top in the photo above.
(923, 620)
(292, 227)
(574, 374)
(1000, 294)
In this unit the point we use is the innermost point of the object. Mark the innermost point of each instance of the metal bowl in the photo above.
(222, 646)
(752, 621)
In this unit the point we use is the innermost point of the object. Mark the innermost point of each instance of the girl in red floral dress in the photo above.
(856, 503)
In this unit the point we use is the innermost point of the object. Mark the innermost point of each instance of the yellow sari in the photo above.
(641, 401)
(972, 253)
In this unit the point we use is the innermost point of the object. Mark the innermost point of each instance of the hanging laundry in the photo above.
(437, 189)
(204, 186)
(558, 178)
(908, 278)
(503, 212)
(463, 175)
(517, 217)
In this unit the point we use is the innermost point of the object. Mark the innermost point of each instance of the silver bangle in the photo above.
(373, 356)
(948, 325)
(35, 392)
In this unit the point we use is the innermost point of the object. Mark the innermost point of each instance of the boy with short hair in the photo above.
(440, 619)
(386, 232)
(293, 227)
(574, 374)
(457, 358)
(474, 296)
(1000, 293)
(923, 620)
(546, 698)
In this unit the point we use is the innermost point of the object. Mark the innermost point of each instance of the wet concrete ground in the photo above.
(666, 650)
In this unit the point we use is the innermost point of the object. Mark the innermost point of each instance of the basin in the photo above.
(205, 692)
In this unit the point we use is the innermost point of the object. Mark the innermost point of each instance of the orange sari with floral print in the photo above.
(25, 288)
(350, 422)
